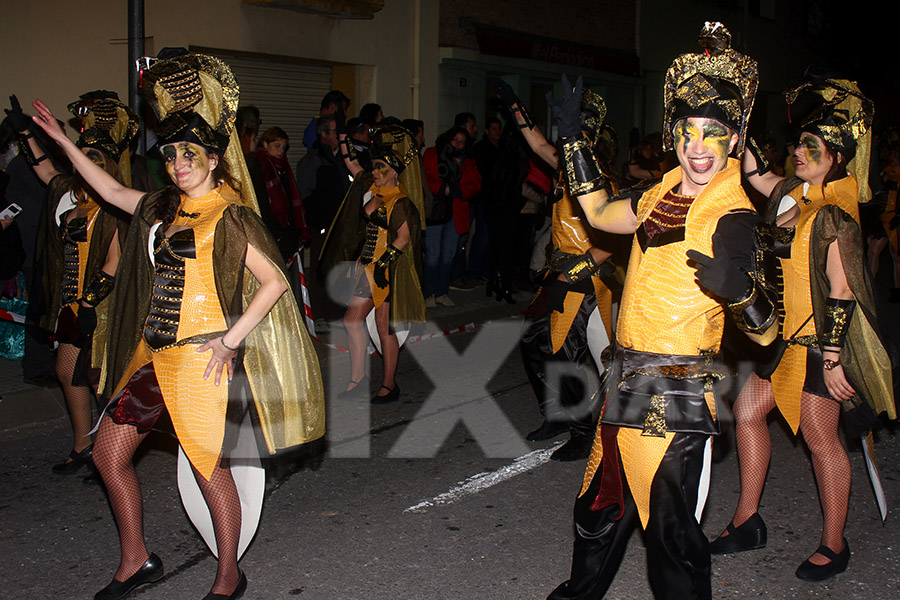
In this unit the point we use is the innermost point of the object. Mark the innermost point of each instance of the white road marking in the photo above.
(482, 481)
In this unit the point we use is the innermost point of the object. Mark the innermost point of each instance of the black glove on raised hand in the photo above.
(568, 111)
(762, 165)
(16, 117)
(340, 119)
(504, 91)
(719, 274)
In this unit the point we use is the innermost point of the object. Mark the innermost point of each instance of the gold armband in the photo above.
(98, 289)
(582, 171)
(837, 321)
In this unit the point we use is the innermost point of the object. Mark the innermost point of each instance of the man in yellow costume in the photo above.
(692, 261)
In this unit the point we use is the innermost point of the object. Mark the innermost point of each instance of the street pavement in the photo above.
(436, 496)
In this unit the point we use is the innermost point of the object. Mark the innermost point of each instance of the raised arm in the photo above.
(103, 183)
(584, 177)
(41, 163)
(762, 180)
(348, 153)
(532, 134)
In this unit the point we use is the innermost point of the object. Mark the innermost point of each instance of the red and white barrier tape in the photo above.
(412, 340)
(5, 315)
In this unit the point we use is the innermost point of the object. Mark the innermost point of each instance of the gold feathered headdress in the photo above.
(718, 83)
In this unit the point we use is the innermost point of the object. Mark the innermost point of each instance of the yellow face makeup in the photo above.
(188, 165)
(702, 147)
(812, 161)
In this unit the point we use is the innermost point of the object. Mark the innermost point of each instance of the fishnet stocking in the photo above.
(819, 419)
(113, 452)
(78, 398)
(224, 505)
(754, 403)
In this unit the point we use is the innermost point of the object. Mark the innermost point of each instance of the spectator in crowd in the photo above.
(280, 204)
(466, 121)
(330, 103)
(454, 180)
(371, 114)
(248, 123)
(485, 152)
(322, 180)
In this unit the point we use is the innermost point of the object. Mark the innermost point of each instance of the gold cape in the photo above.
(278, 357)
(866, 361)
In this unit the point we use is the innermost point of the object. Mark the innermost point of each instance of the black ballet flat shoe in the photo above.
(75, 462)
(547, 430)
(151, 571)
(808, 571)
(752, 535)
(393, 394)
(360, 390)
(237, 593)
(577, 448)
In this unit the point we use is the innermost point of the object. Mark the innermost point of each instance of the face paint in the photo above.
(96, 157)
(811, 160)
(189, 166)
(702, 147)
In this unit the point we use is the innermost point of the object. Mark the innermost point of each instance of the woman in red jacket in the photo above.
(453, 179)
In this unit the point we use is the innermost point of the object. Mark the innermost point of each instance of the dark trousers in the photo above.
(678, 562)
(567, 398)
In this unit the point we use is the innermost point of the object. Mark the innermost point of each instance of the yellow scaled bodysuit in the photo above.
(571, 234)
(790, 375)
(280, 364)
(665, 313)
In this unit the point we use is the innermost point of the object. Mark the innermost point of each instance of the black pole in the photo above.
(135, 51)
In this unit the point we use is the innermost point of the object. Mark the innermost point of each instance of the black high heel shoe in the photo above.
(751, 535)
(237, 593)
(808, 571)
(77, 460)
(151, 571)
(393, 394)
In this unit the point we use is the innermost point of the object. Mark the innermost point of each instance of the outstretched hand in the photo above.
(48, 122)
(568, 111)
(718, 273)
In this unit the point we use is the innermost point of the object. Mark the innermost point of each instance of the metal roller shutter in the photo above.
(287, 94)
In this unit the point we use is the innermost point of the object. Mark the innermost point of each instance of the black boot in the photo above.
(577, 448)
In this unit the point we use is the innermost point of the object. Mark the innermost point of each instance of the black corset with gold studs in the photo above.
(161, 326)
(377, 219)
(73, 232)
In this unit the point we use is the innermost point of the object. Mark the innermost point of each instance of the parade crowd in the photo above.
(174, 282)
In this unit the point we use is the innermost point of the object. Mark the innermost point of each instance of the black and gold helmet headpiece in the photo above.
(718, 83)
(107, 124)
(196, 98)
(842, 116)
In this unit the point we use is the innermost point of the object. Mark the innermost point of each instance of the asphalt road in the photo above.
(421, 499)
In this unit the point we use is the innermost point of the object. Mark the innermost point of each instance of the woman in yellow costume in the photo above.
(832, 354)
(379, 228)
(78, 251)
(205, 329)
